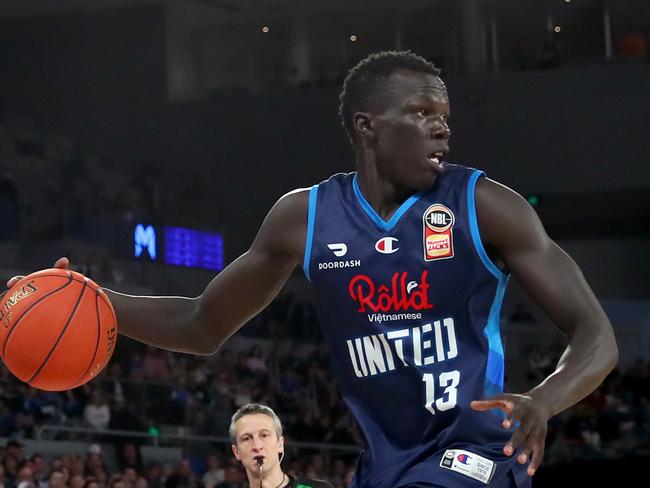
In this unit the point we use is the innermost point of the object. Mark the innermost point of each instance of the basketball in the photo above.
(58, 329)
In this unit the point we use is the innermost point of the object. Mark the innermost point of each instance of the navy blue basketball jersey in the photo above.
(410, 310)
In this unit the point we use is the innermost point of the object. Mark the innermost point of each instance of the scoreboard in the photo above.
(179, 246)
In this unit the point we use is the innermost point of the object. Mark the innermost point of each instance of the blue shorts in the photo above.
(511, 482)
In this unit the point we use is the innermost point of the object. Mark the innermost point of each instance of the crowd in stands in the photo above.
(146, 387)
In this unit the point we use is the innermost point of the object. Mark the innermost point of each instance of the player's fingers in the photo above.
(13, 281)
(516, 440)
(537, 457)
(500, 403)
(529, 447)
(62, 263)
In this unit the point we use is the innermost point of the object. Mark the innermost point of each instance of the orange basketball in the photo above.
(58, 329)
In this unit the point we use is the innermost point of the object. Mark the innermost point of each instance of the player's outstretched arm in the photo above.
(514, 236)
(200, 325)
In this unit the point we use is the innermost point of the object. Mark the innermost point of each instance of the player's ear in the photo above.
(281, 448)
(235, 451)
(363, 125)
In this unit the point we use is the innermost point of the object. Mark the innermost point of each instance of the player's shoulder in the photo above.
(493, 195)
(294, 200)
(504, 216)
(289, 214)
(297, 201)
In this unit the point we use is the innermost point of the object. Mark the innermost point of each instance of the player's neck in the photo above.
(384, 196)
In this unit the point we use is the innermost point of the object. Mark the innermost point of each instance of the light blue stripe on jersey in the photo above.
(494, 371)
(473, 226)
(311, 217)
(381, 223)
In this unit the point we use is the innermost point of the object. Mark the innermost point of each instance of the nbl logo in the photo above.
(437, 227)
(439, 219)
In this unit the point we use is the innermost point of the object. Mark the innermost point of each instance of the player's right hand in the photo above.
(61, 263)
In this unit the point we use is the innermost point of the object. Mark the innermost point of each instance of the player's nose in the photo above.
(441, 130)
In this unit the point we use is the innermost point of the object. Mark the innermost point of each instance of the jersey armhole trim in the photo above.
(311, 218)
(474, 230)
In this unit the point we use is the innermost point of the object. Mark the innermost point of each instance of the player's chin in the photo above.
(425, 180)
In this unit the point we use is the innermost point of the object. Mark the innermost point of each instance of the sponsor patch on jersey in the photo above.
(338, 248)
(470, 464)
(387, 245)
(437, 230)
(348, 263)
(402, 294)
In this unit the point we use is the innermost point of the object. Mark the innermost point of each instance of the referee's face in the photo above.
(256, 439)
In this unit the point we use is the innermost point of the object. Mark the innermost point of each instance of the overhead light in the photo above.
(557, 28)
(265, 29)
(353, 38)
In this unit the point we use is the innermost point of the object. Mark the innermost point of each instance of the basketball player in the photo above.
(408, 257)
(257, 443)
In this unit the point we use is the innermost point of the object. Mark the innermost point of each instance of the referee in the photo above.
(257, 442)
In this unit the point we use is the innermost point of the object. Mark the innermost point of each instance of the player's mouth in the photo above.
(435, 158)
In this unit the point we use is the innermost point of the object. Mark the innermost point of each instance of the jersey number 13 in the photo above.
(449, 381)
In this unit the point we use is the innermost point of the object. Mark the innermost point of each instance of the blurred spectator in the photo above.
(25, 474)
(112, 381)
(56, 479)
(185, 469)
(117, 482)
(14, 449)
(255, 361)
(214, 474)
(77, 481)
(10, 469)
(141, 482)
(39, 469)
(155, 366)
(233, 478)
(130, 476)
(130, 457)
(154, 476)
(97, 413)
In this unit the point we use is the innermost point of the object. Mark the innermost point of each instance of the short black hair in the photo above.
(366, 80)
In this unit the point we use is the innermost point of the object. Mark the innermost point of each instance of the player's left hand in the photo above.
(530, 416)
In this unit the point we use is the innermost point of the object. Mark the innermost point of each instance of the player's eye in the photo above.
(422, 112)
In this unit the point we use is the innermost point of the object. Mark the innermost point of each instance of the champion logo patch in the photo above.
(437, 232)
(387, 245)
(469, 464)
